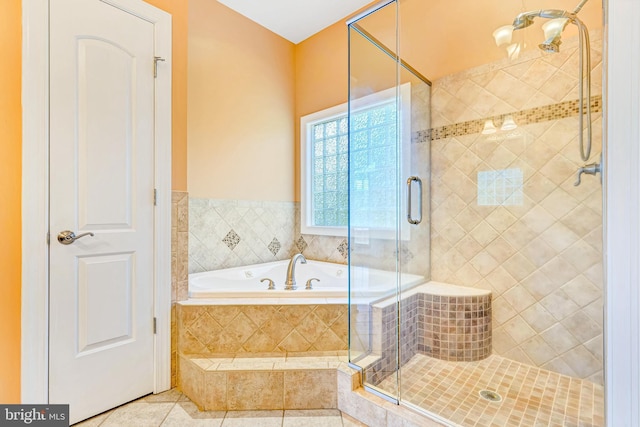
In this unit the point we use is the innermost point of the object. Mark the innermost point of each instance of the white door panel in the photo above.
(101, 181)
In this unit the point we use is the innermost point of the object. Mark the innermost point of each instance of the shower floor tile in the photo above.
(530, 396)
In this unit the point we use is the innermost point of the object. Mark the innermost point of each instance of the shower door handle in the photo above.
(410, 181)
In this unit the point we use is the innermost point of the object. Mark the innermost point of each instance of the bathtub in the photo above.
(244, 282)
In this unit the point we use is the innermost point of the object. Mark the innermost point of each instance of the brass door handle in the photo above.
(67, 237)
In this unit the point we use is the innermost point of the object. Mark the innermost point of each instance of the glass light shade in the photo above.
(553, 27)
(488, 128)
(503, 35)
(508, 123)
(513, 50)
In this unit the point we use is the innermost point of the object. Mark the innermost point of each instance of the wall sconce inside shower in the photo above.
(508, 129)
(507, 126)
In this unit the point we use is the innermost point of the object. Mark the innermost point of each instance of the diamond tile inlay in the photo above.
(231, 240)
(343, 248)
(274, 246)
(301, 244)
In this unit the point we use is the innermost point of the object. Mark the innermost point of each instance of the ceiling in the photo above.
(295, 20)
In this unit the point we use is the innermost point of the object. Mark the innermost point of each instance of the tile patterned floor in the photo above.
(173, 409)
(530, 396)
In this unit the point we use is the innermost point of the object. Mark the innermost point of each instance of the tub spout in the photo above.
(290, 283)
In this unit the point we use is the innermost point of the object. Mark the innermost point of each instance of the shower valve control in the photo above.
(590, 169)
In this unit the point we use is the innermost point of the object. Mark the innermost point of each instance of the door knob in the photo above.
(67, 237)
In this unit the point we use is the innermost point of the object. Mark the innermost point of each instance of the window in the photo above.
(500, 187)
(374, 166)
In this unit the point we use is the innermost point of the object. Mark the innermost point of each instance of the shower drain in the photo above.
(491, 396)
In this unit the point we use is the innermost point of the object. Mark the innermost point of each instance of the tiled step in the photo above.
(255, 383)
(289, 382)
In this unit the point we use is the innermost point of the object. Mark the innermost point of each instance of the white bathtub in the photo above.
(244, 282)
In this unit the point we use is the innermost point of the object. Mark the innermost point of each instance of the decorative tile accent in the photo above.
(301, 244)
(259, 223)
(421, 136)
(545, 113)
(231, 239)
(274, 246)
(343, 248)
(500, 187)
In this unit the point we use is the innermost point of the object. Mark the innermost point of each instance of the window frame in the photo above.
(306, 180)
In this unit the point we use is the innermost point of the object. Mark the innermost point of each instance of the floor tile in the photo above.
(452, 391)
(94, 421)
(186, 414)
(348, 421)
(172, 395)
(253, 419)
(312, 418)
(139, 414)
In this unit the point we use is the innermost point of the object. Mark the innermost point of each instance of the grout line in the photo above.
(167, 414)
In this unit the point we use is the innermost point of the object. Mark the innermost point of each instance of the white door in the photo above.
(102, 182)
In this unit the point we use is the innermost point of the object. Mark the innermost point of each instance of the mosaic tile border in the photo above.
(546, 113)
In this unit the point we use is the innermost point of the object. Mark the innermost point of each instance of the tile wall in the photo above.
(233, 233)
(541, 257)
(242, 329)
(179, 265)
(453, 328)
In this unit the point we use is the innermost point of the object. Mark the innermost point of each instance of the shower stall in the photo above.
(465, 151)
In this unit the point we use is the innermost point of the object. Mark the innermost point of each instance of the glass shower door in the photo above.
(388, 200)
(374, 195)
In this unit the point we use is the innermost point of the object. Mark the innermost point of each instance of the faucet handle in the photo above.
(272, 284)
(590, 169)
(309, 285)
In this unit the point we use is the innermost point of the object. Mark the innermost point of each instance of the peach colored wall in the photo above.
(439, 39)
(10, 199)
(179, 11)
(321, 79)
(241, 107)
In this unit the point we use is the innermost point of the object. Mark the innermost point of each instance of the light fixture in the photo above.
(508, 123)
(513, 51)
(503, 34)
(554, 27)
(488, 128)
